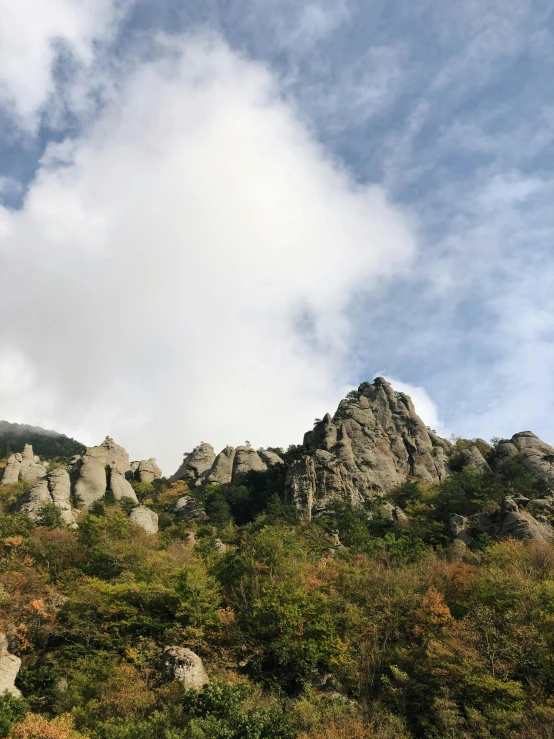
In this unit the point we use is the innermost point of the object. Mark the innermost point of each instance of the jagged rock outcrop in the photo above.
(145, 518)
(511, 521)
(9, 668)
(146, 470)
(196, 466)
(530, 451)
(374, 442)
(93, 472)
(54, 489)
(270, 458)
(184, 665)
(24, 467)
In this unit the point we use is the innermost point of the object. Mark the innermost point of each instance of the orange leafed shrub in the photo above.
(37, 727)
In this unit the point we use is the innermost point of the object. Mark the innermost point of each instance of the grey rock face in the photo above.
(270, 458)
(374, 442)
(512, 521)
(55, 489)
(222, 468)
(145, 518)
(246, 460)
(196, 465)
(24, 467)
(472, 457)
(93, 471)
(184, 665)
(146, 470)
(9, 668)
(189, 509)
(535, 455)
(120, 486)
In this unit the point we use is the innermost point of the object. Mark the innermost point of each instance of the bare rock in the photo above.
(146, 470)
(145, 518)
(53, 489)
(270, 458)
(92, 481)
(120, 486)
(535, 455)
(24, 467)
(221, 471)
(184, 665)
(246, 460)
(9, 668)
(472, 457)
(220, 547)
(374, 442)
(93, 472)
(196, 466)
(190, 539)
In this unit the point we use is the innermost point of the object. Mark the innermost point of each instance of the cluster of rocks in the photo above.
(24, 467)
(512, 520)
(230, 465)
(374, 442)
(91, 475)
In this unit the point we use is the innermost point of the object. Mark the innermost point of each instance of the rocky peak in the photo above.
(374, 442)
(23, 467)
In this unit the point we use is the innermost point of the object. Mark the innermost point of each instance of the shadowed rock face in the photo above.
(146, 470)
(374, 442)
(196, 466)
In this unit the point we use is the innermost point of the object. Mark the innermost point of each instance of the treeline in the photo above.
(352, 626)
(46, 444)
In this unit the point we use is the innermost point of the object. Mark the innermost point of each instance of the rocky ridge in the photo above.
(230, 465)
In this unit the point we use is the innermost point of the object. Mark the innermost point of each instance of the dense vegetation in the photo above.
(47, 444)
(399, 633)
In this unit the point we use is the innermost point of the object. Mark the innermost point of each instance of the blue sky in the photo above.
(219, 216)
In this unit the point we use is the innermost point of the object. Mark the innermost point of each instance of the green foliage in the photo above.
(49, 515)
(47, 444)
(12, 710)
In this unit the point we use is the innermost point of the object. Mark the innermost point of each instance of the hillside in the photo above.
(375, 581)
(47, 444)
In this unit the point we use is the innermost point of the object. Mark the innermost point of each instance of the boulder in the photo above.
(120, 486)
(146, 470)
(220, 547)
(9, 668)
(196, 466)
(145, 518)
(374, 442)
(184, 665)
(246, 460)
(511, 521)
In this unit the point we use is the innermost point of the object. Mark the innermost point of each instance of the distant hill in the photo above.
(47, 444)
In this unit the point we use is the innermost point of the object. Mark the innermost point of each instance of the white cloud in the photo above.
(184, 270)
(32, 33)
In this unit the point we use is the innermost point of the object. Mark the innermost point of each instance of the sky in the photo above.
(217, 218)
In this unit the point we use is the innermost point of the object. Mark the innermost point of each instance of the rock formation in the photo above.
(527, 449)
(145, 518)
(230, 465)
(511, 521)
(146, 470)
(9, 667)
(54, 489)
(472, 457)
(99, 468)
(374, 442)
(24, 467)
(184, 665)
